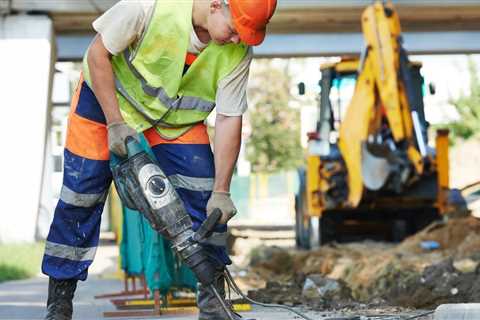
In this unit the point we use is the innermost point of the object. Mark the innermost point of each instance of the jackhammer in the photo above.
(144, 187)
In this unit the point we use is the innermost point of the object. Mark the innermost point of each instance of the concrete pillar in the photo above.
(27, 64)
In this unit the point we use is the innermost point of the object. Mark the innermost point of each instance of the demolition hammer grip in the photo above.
(133, 147)
(206, 228)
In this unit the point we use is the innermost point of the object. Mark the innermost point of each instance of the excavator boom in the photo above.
(380, 90)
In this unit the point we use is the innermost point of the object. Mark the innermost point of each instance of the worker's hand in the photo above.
(117, 133)
(222, 201)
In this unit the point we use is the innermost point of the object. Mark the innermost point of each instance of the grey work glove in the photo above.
(222, 201)
(117, 133)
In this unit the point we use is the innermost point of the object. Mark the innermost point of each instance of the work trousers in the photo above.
(74, 233)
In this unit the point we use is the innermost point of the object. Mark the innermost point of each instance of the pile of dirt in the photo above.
(437, 284)
(456, 237)
(408, 274)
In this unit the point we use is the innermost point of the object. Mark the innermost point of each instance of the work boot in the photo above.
(60, 296)
(210, 308)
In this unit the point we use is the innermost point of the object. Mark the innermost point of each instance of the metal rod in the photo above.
(144, 285)
(222, 302)
(134, 283)
(156, 303)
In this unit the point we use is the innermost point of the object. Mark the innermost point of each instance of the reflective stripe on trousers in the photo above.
(74, 232)
(73, 238)
(191, 156)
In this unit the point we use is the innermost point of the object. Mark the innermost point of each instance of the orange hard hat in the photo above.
(250, 18)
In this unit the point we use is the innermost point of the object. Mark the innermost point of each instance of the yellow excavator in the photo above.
(370, 170)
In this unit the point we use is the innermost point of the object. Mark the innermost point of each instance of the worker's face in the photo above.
(220, 24)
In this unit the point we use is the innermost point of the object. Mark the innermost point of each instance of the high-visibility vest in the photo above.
(151, 87)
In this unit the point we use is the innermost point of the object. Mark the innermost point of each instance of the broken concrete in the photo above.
(404, 275)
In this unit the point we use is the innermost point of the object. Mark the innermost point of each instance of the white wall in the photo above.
(26, 65)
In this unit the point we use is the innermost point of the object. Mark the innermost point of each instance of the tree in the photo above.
(275, 141)
(468, 107)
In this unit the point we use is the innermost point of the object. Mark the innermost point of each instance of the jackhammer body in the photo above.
(144, 187)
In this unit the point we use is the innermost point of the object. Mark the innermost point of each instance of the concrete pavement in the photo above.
(25, 300)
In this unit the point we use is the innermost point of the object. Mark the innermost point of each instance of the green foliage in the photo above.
(20, 261)
(275, 141)
(8, 273)
(468, 107)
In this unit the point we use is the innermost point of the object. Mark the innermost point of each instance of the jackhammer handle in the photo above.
(133, 147)
(206, 228)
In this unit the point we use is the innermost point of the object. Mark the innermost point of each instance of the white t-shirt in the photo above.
(124, 23)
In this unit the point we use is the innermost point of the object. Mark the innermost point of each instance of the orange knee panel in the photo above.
(86, 138)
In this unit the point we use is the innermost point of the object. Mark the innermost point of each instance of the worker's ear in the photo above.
(215, 5)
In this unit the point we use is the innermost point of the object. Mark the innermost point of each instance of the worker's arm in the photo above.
(227, 140)
(231, 101)
(227, 146)
(103, 84)
(117, 29)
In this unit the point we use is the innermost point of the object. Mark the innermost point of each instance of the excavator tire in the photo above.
(302, 221)
(310, 232)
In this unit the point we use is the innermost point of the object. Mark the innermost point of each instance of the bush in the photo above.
(468, 107)
(20, 261)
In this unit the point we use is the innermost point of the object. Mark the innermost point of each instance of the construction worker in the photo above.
(156, 67)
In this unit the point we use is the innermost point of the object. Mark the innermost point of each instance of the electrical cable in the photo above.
(233, 285)
(222, 302)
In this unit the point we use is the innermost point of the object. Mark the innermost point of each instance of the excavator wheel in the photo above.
(310, 232)
(303, 227)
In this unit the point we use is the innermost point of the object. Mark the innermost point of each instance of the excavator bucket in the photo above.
(375, 170)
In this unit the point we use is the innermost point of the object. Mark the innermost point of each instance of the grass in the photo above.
(20, 261)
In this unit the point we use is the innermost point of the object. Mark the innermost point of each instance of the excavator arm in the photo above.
(381, 88)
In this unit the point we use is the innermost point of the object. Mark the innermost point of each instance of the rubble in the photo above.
(437, 284)
(322, 290)
(355, 274)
